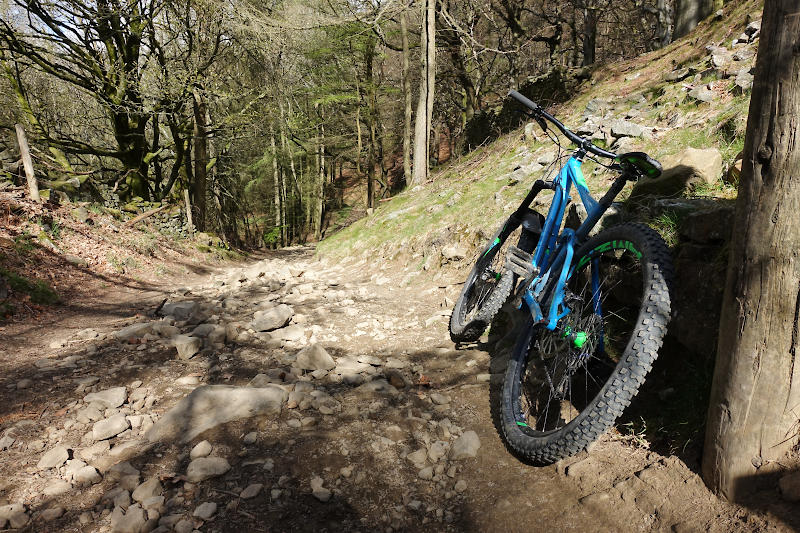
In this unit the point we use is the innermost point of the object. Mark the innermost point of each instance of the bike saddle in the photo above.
(641, 163)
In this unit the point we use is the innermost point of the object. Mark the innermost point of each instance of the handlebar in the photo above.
(539, 113)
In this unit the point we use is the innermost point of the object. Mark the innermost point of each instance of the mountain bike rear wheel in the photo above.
(487, 287)
(562, 389)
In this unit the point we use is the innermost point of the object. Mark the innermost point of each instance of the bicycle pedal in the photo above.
(519, 262)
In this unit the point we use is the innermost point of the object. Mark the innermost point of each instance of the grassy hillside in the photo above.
(470, 196)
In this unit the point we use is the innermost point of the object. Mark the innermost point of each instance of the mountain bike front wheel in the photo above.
(487, 287)
(562, 389)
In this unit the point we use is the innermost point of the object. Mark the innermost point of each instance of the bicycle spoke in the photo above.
(554, 394)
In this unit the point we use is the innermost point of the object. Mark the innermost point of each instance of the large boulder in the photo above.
(110, 427)
(708, 225)
(53, 458)
(685, 170)
(210, 406)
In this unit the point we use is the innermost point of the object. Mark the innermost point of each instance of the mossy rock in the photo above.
(209, 239)
(116, 213)
(69, 185)
(39, 291)
(81, 214)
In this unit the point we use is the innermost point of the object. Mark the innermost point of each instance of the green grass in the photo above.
(666, 224)
(121, 265)
(52, 229)
(24, 244)
(39, 291)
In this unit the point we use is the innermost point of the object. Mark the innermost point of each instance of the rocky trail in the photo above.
(293, 394)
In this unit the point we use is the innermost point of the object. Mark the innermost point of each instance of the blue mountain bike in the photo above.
(596, 308)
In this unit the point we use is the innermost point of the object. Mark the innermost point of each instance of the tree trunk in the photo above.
(319, 193)
(369, 58)
(755, 397)
(436, 142)
(189, 223)
(406, 98)
(422, 126)
(589, 34)
(200, 161)
(359, 141)
(129, 132)
(27, 163)
(276, 179)
(688, 13)
(664, 22)
(470, 96)
(573, 30)
(155, 147)
(284, 189)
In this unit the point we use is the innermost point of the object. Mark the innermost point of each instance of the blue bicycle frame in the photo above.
(553, 253)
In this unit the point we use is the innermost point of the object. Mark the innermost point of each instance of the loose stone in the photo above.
(53, 458)
(465, 446)
(206, 467)
(201, 449)
(206, 510)
(251, 491)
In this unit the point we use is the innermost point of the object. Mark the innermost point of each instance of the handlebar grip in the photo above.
(533, 106)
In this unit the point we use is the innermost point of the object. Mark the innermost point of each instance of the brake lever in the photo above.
(539, 120)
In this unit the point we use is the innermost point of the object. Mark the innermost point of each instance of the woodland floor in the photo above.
(359, 450)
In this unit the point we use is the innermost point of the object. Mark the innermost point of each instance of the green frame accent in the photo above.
(608, 246)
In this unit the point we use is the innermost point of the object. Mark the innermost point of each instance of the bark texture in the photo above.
(755, 397)
(688, 13)
(200, 161)
(406, 98)
(27, 163)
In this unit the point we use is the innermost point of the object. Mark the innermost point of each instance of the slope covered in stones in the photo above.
(693, 94)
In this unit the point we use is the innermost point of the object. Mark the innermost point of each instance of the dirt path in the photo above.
(392, 432)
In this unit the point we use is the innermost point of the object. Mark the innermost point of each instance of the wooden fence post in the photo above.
(25, 152)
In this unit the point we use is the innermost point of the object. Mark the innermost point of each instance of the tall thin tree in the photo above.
(406, 97)
(422, 125)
